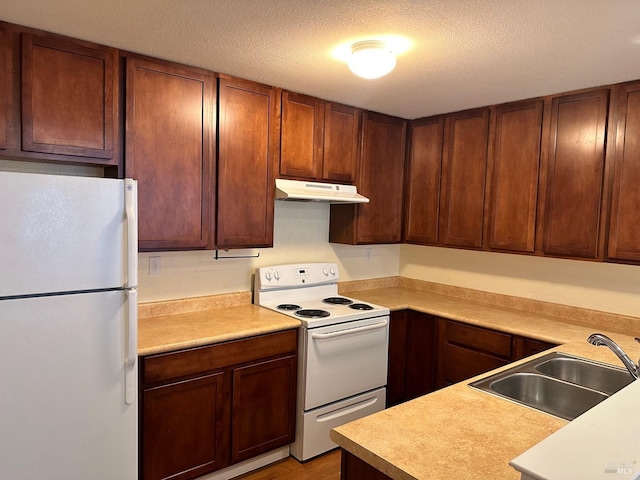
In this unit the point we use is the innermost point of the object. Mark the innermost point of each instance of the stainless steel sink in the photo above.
(557, 383)
(588, 374)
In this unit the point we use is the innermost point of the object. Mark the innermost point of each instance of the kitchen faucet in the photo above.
(600, 339)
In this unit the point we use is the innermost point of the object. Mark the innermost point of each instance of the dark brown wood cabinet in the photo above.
(205, 408)
(380, 178)
(467, 350)
(353, 468)
(5, 79)
(270, 386)
(412, 356)
(319, 139)
(58, 98)
(464, 166)
(302, 136)
(422, 185)
(624, 220)
(524, 347)
(185, 427)
(169, 150)
(512, 176)
(341, 134)
(248, 146)
(69, 98)
(574, 176)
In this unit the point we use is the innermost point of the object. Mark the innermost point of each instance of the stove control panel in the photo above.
(308, 274)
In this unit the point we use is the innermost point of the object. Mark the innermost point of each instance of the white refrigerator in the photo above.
(68, 328)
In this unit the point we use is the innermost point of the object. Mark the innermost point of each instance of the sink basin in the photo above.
(557, 383)
(564, 400)
(592, 375)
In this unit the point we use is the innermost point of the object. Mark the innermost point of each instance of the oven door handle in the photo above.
(349, 331)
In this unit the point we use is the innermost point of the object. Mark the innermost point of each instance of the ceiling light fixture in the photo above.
(371, 59)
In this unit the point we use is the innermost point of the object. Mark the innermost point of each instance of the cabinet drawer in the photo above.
(186, 363)
(459, 364)
(495, 343)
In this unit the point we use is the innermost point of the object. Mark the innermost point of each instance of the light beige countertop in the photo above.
(456, 432)
(168, 326)
(459, 431)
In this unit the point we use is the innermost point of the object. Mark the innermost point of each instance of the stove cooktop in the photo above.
(309, 292)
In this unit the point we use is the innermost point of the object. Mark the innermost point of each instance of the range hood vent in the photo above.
(317, 192)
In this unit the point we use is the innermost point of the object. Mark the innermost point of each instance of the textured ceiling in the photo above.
(462, 53)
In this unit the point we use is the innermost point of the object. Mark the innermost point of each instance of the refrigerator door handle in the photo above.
(131, 210)
(131, 346)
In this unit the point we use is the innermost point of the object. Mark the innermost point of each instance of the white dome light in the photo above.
(371, 59)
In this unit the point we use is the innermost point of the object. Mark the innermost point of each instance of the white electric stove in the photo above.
(343, 345)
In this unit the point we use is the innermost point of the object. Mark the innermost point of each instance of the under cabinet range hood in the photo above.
(317, 192)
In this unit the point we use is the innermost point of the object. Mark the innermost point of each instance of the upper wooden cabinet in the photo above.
(248, 146)
(319, 140)
(341, 134)
(301, 136)
(464, 166)
(624, 240)
(422, 185)
(58, 98)
(5, 78)
(169, 150)
(69, 98)
(571, 205)
(380, 178)
(513, 169)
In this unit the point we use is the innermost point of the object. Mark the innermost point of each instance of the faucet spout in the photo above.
(600, 339)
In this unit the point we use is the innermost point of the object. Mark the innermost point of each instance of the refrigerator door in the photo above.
(63, 414)
(63, 233)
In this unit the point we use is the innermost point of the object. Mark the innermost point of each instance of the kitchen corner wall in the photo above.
(597, 286)
(301, 232)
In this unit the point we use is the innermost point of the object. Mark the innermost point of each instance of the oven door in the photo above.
(344, 359)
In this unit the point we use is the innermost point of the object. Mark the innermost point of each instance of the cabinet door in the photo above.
(69, 98)
(525, 347)
(466, 350)
(301, 136)
(185, 428)
(423, 181)
(248, 143)
(169, 137)
(5, 73)
(397, 359)
(514, 164)
(421, 346)
(464, 166)
(380, 178)
(624, 241)
(341, 133)
(574, 175)
(264, 399)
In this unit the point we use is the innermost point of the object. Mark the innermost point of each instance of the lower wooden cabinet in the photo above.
(352, 468)
(466, 350)
(411, 356)
(205, 408)
(427, 353)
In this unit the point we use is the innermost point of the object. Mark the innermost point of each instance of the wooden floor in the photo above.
(324, 467)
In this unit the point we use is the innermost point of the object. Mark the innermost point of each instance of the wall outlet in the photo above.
(154, 265)
(367, 254)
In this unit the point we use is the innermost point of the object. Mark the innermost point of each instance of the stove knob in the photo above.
(333, 271)
(276, 275)
(268, 276)
(325, 271)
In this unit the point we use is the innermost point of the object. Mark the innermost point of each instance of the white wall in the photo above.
(301, 232)
(598, 286)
